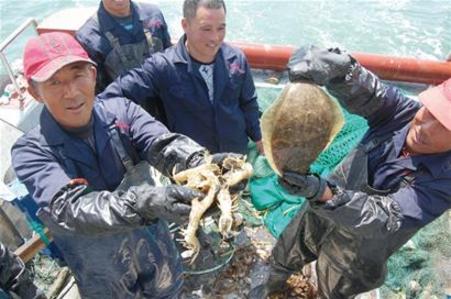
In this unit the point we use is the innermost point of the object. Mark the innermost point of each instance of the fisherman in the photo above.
(205, 85)
(396, 181)
(87, 167)
(121, 35)
(15, 278)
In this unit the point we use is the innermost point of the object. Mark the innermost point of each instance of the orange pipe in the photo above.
(387, 67)
(265, 56)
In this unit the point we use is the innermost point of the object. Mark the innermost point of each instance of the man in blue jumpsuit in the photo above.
(395, 182)
(121, 35)
(15, 279)
(87, 167)
(205, 85)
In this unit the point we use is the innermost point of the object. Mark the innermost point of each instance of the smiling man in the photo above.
(87, 167)
(396, 181)
(205, 85)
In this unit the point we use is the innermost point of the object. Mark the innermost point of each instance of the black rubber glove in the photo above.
(15, 277)
(239, 187)
(317, 65)
(172, 203)
(310, 186)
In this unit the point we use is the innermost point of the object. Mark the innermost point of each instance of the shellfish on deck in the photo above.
(215, 182)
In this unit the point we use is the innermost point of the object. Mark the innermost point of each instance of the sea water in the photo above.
(415, 28)
(411, 28)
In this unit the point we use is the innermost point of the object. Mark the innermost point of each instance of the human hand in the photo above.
(310, 186)
(172, 203)
(260, 148)
(318, 65)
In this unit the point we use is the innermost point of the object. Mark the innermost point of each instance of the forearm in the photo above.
(327, 195)
(75, 209)
(135, 85)
(171, 153)
(13, 273)
(356, 88)
(252, 122)
(249, 106)
(360, 91)
(360, 212)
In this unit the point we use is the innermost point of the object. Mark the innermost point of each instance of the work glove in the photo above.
(15, 278)
(172, 202)
(320, 66)
(310, 186)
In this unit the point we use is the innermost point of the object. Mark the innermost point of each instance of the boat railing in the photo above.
(11, 38)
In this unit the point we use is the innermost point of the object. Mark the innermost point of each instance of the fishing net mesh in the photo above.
(419, 269)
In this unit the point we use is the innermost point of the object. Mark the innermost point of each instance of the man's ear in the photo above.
(93, 74)
(93, 71)
(184, 24)
(32, 90)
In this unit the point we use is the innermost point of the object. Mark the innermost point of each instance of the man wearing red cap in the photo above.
(396, 181)
(87, 167)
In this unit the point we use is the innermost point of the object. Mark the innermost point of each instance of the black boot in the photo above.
(276, 282)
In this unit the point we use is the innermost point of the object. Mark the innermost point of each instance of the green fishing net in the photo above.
(266, 192)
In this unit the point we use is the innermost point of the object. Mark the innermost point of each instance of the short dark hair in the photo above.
(190, 6)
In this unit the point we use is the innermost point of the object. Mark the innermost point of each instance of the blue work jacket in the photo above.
(223, 125)
(419, 186)
(67, 157)
(145, 16)
(427, 194)
(130, 258)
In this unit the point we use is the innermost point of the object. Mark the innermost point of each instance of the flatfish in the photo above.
(298, 126)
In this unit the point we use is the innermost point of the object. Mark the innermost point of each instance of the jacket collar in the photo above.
(434, 163)
(54, 135)
(182, 56)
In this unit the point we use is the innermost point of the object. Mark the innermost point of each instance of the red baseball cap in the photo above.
(438, 101)
(47, 53)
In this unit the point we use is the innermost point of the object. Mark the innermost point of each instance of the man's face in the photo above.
(205, 33)
(118, 8)
(427, 135)
(68, 94)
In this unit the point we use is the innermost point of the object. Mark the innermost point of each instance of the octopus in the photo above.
(298, 126)
(215, 182)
